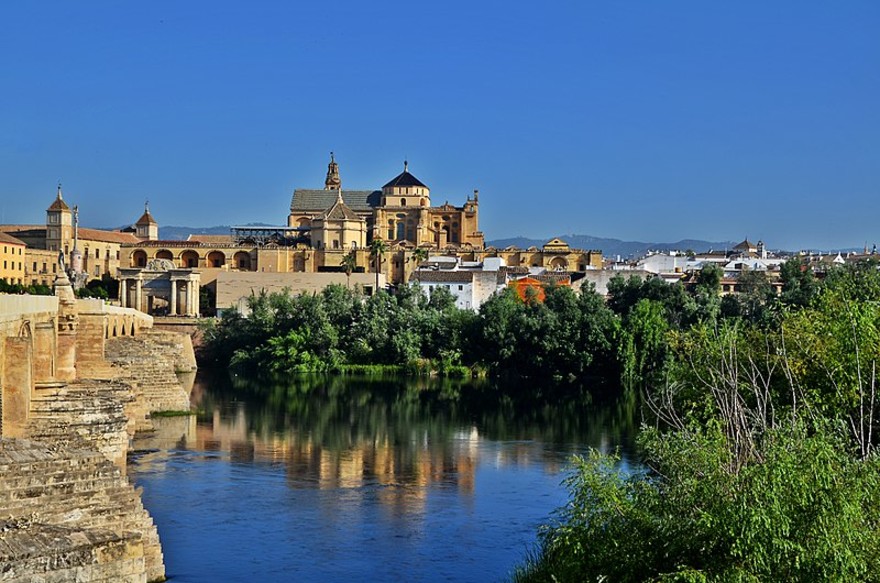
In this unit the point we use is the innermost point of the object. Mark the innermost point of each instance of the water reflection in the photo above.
(454, 477)
(342, 432)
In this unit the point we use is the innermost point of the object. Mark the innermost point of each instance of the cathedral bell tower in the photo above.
(59, 224)
(332, 182)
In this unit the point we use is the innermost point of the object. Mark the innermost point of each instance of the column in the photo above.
(189, 298)
(194, 308)
(138, 293)
(123, 293)
(173, 297)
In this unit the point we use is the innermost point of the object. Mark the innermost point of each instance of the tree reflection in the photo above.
(338, 431)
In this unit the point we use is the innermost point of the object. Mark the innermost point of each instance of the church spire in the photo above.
(332, 182)
(58, 204)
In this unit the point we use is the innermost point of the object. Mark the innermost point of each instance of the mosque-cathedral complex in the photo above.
(322, 227)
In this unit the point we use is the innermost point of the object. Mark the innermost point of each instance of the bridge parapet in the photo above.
(15, 307)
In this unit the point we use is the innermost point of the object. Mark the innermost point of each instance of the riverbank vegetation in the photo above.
(761, 464)
(568, 335)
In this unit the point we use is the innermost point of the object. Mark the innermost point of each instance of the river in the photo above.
(340, 479)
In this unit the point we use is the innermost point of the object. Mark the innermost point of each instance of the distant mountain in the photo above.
(609, 247)
(614, 247)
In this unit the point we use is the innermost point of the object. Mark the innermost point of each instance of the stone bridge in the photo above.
(78, 378)
(46, 339)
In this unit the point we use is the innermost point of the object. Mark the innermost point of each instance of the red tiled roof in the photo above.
(6, 238)
(107, 236)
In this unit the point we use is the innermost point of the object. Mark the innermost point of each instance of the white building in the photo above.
(470, 282)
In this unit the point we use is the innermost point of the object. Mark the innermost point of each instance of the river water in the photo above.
(341, 479)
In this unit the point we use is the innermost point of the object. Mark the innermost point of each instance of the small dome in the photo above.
(404, 179)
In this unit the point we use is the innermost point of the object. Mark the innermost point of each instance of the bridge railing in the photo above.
(14, 306)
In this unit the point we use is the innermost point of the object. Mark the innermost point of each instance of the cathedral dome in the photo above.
(404, 179)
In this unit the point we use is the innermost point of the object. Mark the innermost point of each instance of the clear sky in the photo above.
(631, 119)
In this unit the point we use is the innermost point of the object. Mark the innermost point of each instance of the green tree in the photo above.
(643, 345)
(378, 248)
(349, 264)
(419, 256)
(799, 284)
(707, 293)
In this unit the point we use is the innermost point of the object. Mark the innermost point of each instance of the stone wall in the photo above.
(78, 379)
(150, 362)
(70, 515)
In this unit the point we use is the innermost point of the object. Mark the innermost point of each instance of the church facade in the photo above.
(400, 213)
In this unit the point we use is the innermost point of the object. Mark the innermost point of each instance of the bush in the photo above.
(804, 509)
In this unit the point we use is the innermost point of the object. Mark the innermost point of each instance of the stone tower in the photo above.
(147, 228)
(332, 182)
(59, 224)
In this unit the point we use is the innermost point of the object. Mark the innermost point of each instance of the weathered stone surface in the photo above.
(149, 361)
(77, 381)
(72, 517)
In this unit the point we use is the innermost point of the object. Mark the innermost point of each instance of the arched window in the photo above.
(242, 260)
(402, 202)
(401, 230)
(189, 259)
(139, 258)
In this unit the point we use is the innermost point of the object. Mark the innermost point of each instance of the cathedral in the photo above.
(400, 213)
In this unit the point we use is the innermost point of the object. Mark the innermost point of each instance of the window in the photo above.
(461, 287)
(402, 202)
(35, 266)
(4, 265)
(97, 253)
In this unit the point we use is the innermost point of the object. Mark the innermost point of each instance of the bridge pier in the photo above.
(44, 352)
(18, 382)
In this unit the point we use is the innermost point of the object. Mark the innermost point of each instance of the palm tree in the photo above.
(420, 254)
(349, 263)
(378, 248)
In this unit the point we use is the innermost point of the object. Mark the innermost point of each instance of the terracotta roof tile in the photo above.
(107, 236)
(6, 238)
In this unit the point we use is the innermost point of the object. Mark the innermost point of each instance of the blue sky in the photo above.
(633, 119)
